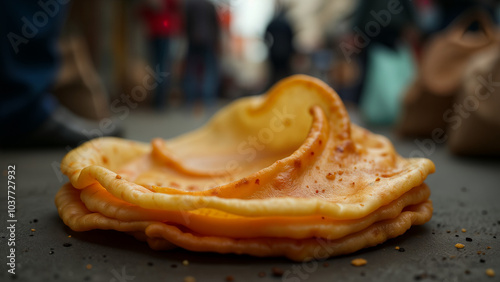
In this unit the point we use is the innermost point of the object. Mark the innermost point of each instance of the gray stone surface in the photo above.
(465, 192)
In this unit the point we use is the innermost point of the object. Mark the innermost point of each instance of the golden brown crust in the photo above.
(287, 166)
(162, 236)
(217, 223)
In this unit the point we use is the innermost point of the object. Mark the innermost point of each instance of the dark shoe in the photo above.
(63, 128)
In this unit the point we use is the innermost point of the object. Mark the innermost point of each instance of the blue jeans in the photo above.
(159, 56)
(28, 63)
(202, 75)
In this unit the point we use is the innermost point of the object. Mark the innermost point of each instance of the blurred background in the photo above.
(155, 58)
(423, 73)
(254, 42)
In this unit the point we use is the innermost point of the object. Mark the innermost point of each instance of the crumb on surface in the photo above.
(459, 246)
(464, 230)
(189, 279)
(88, 266)
(490, 272)
(359, 262)
(277, 272)
(118, 176)
(33, 229)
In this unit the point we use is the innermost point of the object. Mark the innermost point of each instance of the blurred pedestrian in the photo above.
(279, 35)
(381, 23)
(29, 61)
(201, 78)
(163, 19)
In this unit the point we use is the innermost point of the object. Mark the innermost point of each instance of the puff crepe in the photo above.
(282, 174)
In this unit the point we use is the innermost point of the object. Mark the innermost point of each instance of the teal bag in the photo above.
(388, 75)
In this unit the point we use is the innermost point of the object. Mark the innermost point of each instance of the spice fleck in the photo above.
(359, 262)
